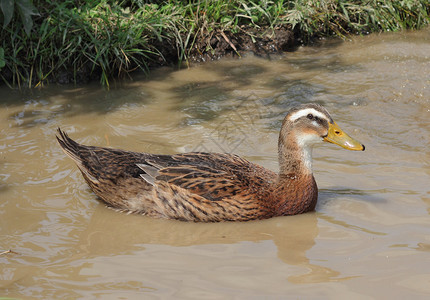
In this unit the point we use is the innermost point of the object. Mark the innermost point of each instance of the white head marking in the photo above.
(304, 112)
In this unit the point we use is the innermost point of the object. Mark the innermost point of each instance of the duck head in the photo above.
(304, 126)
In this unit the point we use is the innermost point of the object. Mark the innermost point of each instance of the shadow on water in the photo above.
(205, 100)
(200, 101)
(241, 74)
(42, 106)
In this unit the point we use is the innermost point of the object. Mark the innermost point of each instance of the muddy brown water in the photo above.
(370, 234)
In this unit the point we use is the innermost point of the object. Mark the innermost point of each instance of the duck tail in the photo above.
(69, 146)
(76, 152)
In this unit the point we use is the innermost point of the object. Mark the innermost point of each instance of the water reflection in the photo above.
(108, 234)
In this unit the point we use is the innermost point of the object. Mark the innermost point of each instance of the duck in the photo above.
(213, 187)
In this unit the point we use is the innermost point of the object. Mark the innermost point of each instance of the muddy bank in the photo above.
(262, 43)
(208, 47)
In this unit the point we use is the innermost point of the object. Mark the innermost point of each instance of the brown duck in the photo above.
(212, 187)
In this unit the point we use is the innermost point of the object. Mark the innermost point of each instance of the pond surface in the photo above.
(369, 236)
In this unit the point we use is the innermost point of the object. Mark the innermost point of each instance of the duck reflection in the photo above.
(111, 233)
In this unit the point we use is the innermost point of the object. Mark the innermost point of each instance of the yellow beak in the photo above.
(337, 136)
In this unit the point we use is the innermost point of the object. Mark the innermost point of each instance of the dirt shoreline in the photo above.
(228, 44)
(206, 48)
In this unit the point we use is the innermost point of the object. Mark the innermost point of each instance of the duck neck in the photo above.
(296, 190)
(295, 159)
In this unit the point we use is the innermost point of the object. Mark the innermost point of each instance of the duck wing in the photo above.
(213, 176)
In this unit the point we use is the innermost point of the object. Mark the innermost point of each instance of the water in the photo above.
(369, 236)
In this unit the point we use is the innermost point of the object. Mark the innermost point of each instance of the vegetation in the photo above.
(41, 40)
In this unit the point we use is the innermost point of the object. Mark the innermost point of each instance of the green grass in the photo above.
(110, 39)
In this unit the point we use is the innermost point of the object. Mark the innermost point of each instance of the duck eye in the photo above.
(310, 116)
